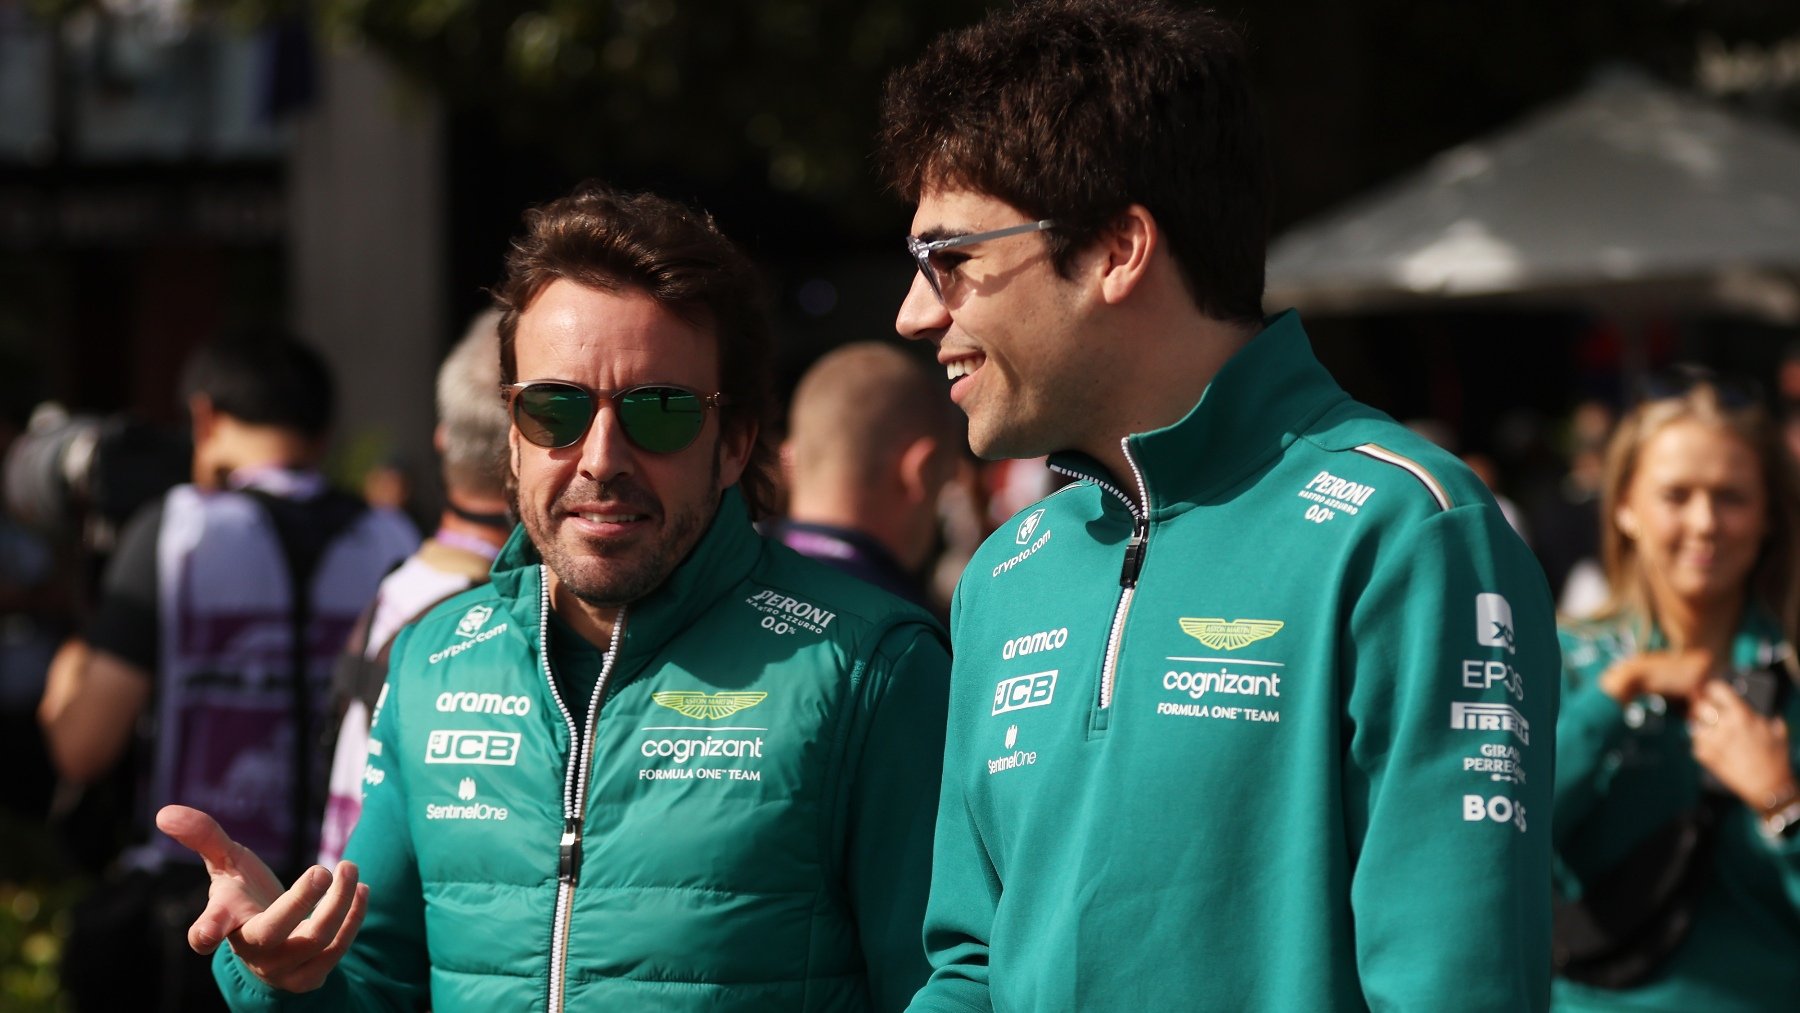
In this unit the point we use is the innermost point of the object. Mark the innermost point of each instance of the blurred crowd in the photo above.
(877, 480)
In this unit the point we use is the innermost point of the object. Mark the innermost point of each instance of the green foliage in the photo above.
(37, 892)
(785, 90)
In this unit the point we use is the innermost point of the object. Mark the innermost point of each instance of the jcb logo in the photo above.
(494, 749)
(1020, 692)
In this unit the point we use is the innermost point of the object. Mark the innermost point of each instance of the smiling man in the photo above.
(1255, 715)
(659, 763)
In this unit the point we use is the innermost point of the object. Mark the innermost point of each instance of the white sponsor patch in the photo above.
(488, 748)
(1497, 808)
(1022, 691)
(483, 703)
(471, 809)
(1480, 673)
(785, 614)
(473, 639)
(1494, 621)
(1034, 643)
(1497, 761)
(1028, 527)
(1015, 759)
(473, 620)
(1489, 717)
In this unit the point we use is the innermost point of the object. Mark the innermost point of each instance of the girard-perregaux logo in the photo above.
(707, 706)
(1221, 635)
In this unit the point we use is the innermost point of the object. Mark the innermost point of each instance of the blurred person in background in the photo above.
(871, 444)
(220, 615)
(1677, 810)
(1567, 519)
(471, 443)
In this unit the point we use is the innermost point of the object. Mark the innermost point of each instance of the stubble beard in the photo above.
(603, 580)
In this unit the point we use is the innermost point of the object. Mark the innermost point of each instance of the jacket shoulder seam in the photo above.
(1412, 467)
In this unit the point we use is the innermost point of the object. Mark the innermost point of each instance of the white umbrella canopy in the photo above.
(1627, 195)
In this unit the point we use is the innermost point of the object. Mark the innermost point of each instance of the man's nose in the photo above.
(605, 451)
(921, 314)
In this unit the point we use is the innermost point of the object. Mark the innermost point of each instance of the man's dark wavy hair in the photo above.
(609, 239)
(264, 377)
(1077, 109)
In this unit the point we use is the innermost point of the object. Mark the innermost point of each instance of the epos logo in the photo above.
(496, 749)
(1028, 526)
(1022, 691)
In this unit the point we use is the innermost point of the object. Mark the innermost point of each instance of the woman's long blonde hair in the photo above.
(1775, 579)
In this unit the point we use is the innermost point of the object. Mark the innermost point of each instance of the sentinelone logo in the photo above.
(465, 790)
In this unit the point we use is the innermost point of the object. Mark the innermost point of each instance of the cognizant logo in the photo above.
(1198, 684)
(683, 750)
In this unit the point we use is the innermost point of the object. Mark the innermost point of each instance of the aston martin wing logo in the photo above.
(1229, 636)
(707, 706)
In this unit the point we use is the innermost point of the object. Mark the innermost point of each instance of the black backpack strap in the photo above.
(305, 529)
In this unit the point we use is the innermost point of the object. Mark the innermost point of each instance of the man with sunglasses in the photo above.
(1256, 714)
(658, 762)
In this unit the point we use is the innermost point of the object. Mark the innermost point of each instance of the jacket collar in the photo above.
(1264, 397)
(723, 557)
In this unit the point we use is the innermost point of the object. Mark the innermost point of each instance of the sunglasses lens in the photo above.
(552, 414)
(661, 420)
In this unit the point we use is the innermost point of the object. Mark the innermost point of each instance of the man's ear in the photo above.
(787, 463)
(1126, 247)
(204, 417)
(512, 451)
(736, 438)
(917, 466)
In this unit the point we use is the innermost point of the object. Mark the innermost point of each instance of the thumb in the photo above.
(199, 833)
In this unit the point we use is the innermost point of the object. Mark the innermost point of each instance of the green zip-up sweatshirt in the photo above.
(1626, 771)
(1283, 743)
(749, 830)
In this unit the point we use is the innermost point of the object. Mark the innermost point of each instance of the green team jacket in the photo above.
(749, 829)
(1282, 744)
(1622, 773)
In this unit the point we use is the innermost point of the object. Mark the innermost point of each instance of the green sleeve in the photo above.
(965, 891)
(1450, 875)
(387, 968)
(1590, 726)
(895, 752)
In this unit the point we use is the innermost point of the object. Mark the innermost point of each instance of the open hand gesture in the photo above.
(269, 928)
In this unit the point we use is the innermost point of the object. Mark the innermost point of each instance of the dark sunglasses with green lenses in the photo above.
(659, 417)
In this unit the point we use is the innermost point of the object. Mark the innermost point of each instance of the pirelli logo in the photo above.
(487, 748)
(1489, 717)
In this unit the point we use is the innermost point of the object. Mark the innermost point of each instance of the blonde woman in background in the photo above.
(1677, 808)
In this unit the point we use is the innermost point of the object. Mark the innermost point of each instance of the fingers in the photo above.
(288, 949)
(270, 929)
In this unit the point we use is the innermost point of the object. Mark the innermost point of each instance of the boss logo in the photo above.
(1020, 692)
(495, 749)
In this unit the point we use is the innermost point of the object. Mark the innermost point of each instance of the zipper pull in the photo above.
(1134, 553)
(568, 866)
